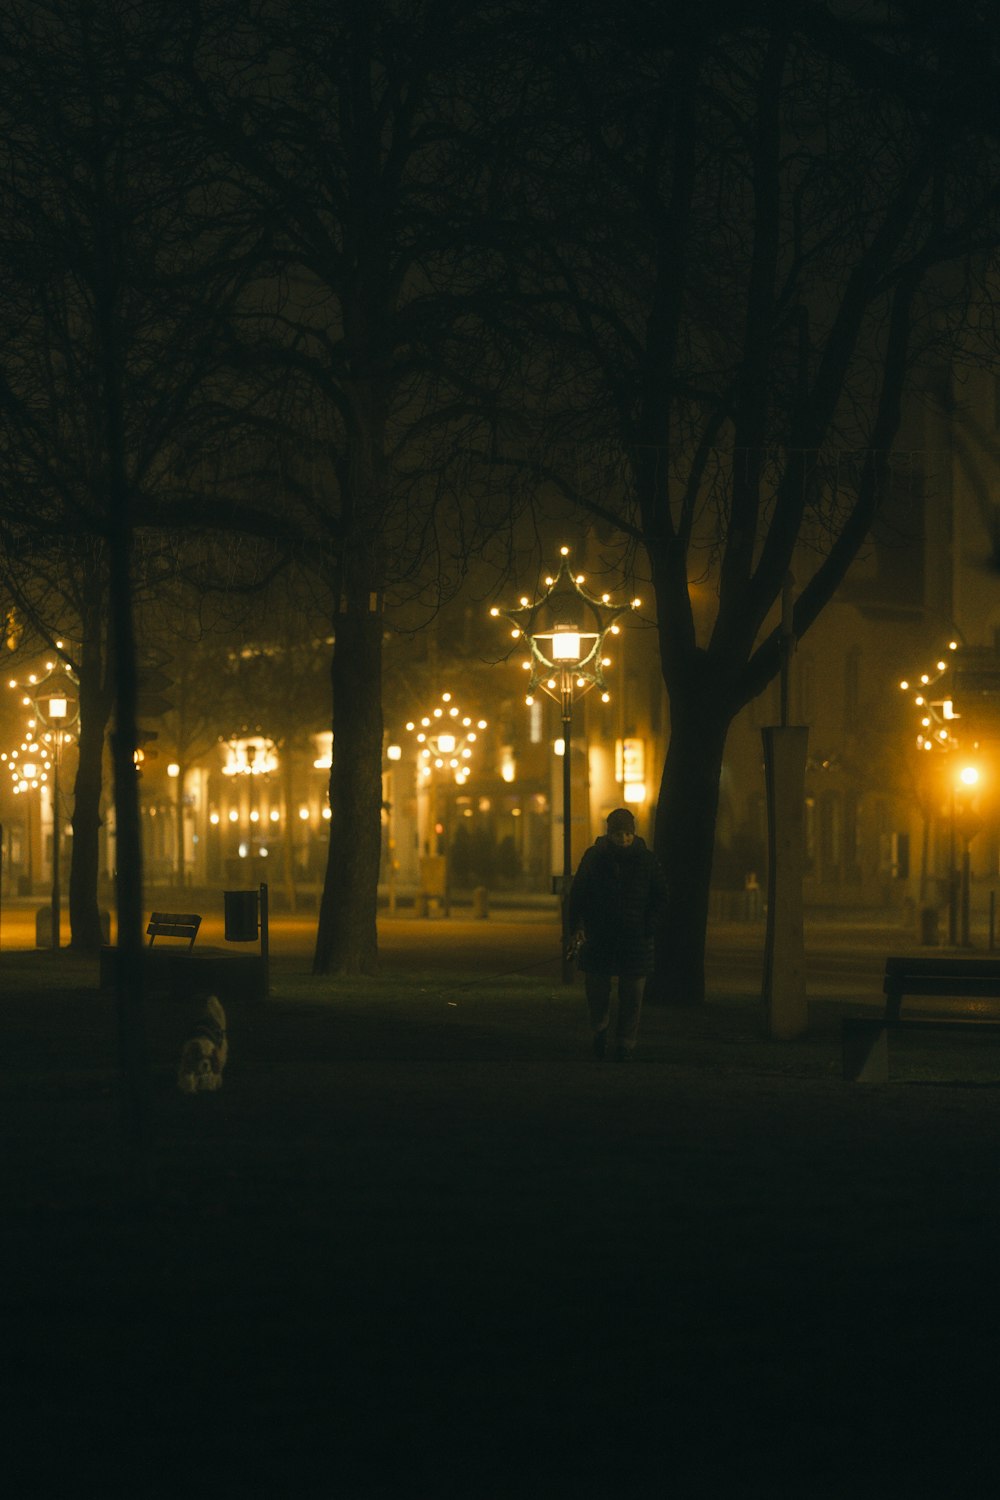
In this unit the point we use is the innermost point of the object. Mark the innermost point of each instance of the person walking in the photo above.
(618, 894)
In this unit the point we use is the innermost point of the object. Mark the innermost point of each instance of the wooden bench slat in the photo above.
(177, 924)
(921, 965)
(943, 986)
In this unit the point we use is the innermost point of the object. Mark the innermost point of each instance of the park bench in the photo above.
(866, 1038)
(174, 924)
(175, 971)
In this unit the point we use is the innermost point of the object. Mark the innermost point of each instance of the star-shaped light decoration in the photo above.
(446, 737)
(935, 705)
(52, 697)
(564, 631)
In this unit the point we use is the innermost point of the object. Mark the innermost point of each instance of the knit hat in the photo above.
(621, 821)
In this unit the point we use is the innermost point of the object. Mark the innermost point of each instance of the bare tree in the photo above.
(111, 329)
(339, 125)
(744, 227)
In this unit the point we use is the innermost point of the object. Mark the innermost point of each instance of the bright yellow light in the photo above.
(394, 752)
(213, 818)
(446, 743)
(304, 814)
(563, 552)
(634, 791)
(566, 645)
(924, 678)
(559, 747)
(941, 666)
(904, 685)
(233, 815)
(173, 769)
(494, 611)
(968, 775)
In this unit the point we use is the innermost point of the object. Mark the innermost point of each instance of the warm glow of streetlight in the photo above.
(968, 775)
(565, 644)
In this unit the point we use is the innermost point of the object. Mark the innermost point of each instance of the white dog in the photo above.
(204, 1054)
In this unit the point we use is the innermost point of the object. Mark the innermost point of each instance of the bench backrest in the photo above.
(922, 964)
(177, 924)
(898, 971)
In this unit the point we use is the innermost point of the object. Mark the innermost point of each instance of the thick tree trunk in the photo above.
(347, 939)
(684, 839)
(84, 904)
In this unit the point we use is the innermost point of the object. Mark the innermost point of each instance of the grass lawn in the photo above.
(422, 1244)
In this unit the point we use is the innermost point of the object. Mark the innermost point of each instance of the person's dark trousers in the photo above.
(631, 988)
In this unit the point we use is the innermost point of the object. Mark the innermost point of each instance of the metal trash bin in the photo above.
(242, 916)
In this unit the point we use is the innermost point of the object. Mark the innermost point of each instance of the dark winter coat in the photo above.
(617, 897)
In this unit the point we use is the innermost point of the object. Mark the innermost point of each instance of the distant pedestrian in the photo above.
(617, 896)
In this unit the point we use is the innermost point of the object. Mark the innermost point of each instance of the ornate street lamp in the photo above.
(446, 740)
(53, 699)
(565, 631)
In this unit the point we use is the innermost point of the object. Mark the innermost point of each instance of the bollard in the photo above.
(929, 926)
(480, 902)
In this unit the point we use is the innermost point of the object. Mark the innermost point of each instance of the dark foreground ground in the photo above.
(421, 1244)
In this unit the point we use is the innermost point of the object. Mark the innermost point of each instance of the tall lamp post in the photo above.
(966, 822)
(57, 708)
(446, 738)
(565, 630)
